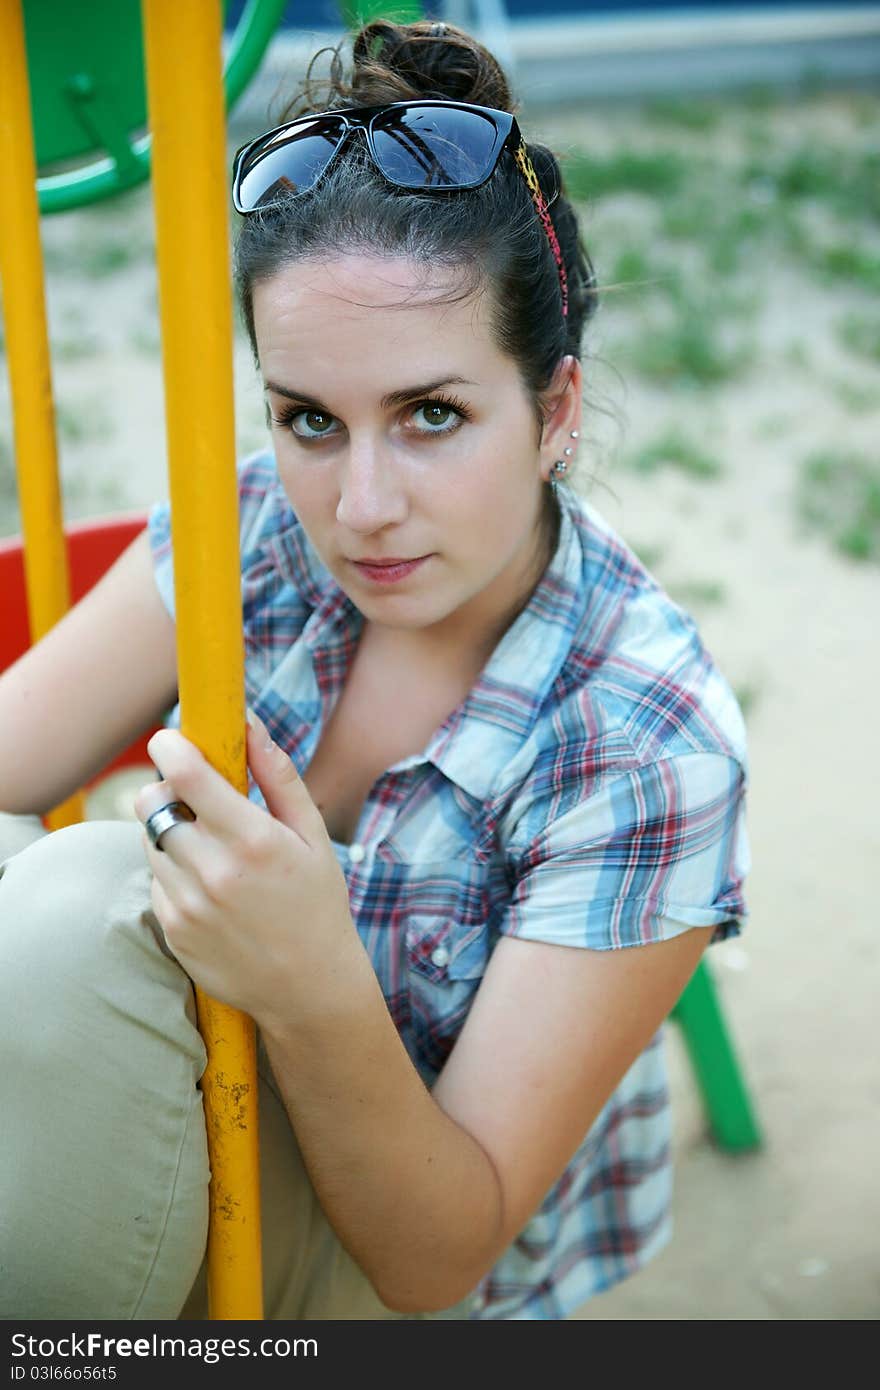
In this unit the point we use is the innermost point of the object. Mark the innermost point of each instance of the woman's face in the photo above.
(401, 432)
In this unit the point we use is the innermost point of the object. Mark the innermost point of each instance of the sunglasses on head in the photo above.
(430, 146)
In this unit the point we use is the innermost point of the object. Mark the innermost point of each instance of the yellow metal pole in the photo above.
(188, 122)
(27, 348)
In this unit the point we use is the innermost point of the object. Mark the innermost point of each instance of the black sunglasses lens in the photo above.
(290, 163)
(435, 147)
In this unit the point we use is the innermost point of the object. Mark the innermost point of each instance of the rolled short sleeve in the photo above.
(650, 854)
(259, 504)
(159, 532)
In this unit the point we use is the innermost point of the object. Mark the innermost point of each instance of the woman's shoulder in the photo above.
(263, 507)
(638, 669)
(276, 557)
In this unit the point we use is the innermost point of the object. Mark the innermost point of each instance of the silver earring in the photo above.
(575, 434)
(568, 452)
(559, 468)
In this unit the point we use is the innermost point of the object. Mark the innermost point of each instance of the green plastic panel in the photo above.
(88, 92)
(358, 12)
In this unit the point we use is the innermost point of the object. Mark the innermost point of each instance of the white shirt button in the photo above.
(440, 956)
(356, 853)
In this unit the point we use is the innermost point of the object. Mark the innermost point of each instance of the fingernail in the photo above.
(259, 727)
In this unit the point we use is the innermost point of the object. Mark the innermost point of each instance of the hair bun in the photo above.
(400, 62)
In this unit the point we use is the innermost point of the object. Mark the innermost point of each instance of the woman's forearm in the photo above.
(412, 1196)
(107, 670)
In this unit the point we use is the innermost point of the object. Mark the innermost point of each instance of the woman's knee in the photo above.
(80, 949)
(107, 1159)
(17, 832)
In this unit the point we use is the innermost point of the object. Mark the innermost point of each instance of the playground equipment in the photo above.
(86, 66)
(183, 48)
(183, 45)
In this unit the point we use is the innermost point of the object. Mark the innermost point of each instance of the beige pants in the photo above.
(104, 1169)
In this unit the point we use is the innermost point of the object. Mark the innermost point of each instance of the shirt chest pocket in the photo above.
(445, 963)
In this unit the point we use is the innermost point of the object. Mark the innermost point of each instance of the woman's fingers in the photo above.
(151, 797)
(182, 767)
(221, 809)
(161, 812)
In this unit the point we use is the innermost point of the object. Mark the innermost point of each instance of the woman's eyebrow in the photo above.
(400, 397)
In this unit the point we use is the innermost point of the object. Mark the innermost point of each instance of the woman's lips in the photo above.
(389, 572)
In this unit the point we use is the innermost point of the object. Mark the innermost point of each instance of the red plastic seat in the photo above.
(92, 546)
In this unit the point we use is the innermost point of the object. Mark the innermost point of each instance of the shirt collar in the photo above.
(479, 740)
(507, 697)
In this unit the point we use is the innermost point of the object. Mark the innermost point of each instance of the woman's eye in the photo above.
(306, 424)
(438, 417)
(311, 424)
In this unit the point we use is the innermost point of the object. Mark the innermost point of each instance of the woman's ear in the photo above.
(562, 406)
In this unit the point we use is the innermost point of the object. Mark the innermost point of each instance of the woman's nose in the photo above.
(371, 495)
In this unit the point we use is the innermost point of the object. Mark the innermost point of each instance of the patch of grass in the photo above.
(688, 217)
(861, 334)
(859, 400)
(839, 494)
(74, 348)
(81, 423)
(689, 113)
(759, 96)
(698, 592)
(724, 222)
(145, 340)
(634, 268)
(864, 109)
(797, 355)
(97, 259)
(588, 177)
(792, 233)
(847, 180)
(732, 240)
(773, 426)
(746, 697)
(844, 260)
(812, 80)
(690, 348)
(674, 449)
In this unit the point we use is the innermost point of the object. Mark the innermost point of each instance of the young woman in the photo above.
(496, 810)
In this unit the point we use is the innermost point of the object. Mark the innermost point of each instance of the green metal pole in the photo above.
(714, 1061)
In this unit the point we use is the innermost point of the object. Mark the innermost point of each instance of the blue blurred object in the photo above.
(558, 51)
(325, 14)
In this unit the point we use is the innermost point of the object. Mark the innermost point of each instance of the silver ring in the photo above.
(174, 813)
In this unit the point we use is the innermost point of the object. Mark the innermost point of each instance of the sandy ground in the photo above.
(792, 1231)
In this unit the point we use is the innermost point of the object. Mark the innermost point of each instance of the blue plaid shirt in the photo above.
(589, 791)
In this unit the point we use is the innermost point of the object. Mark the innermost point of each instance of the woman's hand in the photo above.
(254, 906)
